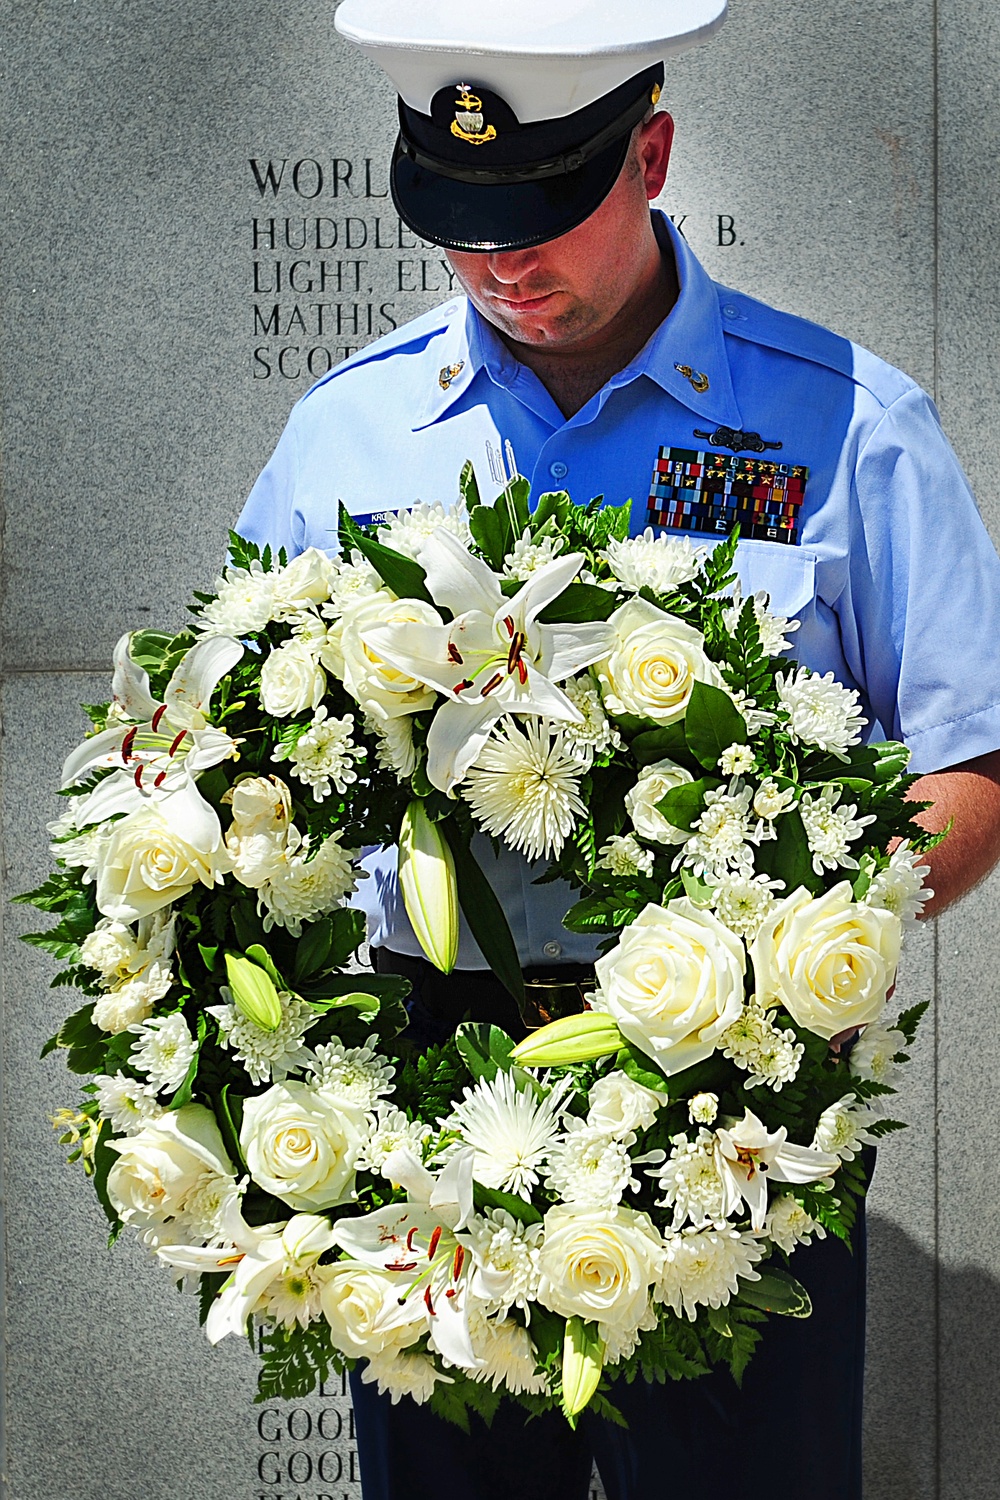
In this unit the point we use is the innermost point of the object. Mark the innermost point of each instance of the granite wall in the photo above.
(197, 224)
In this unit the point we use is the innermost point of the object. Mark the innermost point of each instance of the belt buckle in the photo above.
(548, 1000)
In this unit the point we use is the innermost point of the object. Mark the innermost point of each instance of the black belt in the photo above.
(478, 995)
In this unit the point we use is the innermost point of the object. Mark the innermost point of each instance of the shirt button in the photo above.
(553, 949)
(729, 311)
(558, 470)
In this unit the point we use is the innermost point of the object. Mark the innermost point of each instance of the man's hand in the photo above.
(970, 794)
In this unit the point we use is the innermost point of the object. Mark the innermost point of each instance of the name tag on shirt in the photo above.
(715, 492)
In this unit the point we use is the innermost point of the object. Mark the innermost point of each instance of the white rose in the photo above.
(301, 1145)
(829, 960)
(598, 1264)
(306, 580)
(145, 865)
(291, 680)
(619, 1105)
(383, 690)
(164, 1164)
(673, 983)
(655, 661)
(653, 784)
(261, 804)
(361, 1305)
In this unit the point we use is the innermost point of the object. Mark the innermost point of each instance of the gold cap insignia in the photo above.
(654, 97)
(698, 381)
(469, 122)
(449, 373)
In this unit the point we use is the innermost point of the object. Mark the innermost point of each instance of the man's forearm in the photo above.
(969, 795)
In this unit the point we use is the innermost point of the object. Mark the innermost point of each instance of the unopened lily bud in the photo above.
(305, 1237)
(582, 1364)
(571, 1039)
(430, 891)
(253, 992)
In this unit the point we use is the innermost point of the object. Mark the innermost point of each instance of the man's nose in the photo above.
(510, 266)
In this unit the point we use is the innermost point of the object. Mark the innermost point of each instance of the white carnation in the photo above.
(323, 757)
(736, 760)
(126, 1103)
(821, 711)
(831, 830)
(132, 1001)
(164, 1051)
(703, 1109)
(350, 580)
(407, 531)
(660, 563)
(690, 1181)
(268, 1056)
(703, 1267)
(843, 1128)
(111, 949)
(788, 1224)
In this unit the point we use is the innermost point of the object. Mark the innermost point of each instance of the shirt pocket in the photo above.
(787, 574)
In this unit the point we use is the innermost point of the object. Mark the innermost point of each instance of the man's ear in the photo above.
(655, 140)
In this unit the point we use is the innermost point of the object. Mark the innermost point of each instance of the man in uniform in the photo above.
(593, 351)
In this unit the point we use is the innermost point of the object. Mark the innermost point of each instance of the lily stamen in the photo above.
(517, 645)
(154, 722)
(177, 743)
(493, 683)
(456, 1265)
(128, 742)
(435, 1240)
(454, 654)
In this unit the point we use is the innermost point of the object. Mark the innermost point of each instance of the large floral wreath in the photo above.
(617, 1194)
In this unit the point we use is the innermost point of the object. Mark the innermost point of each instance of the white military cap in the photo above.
(515, 120)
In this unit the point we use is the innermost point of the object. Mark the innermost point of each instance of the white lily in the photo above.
(166, 744)
(748, 1154)
(494, 658)
(420, 1240)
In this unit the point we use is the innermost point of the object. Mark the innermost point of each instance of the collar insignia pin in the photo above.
(735, 441)
(468, 123)
(698, 381)
(449, 373)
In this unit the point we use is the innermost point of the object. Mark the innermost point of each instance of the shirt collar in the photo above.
(686, 356)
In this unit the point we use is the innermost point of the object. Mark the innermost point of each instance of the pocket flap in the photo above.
(787, 574)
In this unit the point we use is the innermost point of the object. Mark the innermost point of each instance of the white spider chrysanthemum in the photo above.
(872, 1056)
(164, 1051)
(742, 902)
(525, 787)
(409, 529)
(293, 1298)
(900, 887)
(821, 711)
(772, 628)
(659, 563)
(831, 830)
(527, 556)
(395, 750)
(509, 1356)
(390, 1130)
(596, 735)
(357, 1075)
(690, 1181)
(703, 1268)
(589, 1167)
(843, 1128)
(506, 1260)
(302, 889)
(244, 602)
(767, 1055)
(268, 1056)
(721, 837)
(788, 1224)
(323, 757)
(624, 855)
(399, 1373)
(510, 1129)
(126, 1103)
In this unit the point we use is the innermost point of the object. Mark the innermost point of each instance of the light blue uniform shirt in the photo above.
(892, 576)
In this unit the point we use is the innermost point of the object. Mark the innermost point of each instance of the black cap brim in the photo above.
(501, 216)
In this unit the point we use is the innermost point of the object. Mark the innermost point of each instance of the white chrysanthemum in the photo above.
(703, 1109)
(527, 556)
(690, 1181)
(873, 1053)
(357, 1075)
(164, 1051)
(244, 602)
(389, 1131)
(831, 830)
(303, 889)
(843, 1128)
(772, 628)
(736, 760)
(821, 711)
(66, 823)
(753, 717)
(399, 1373)
(111, 949)
(788, 1224)
(126, 1103)
(395, 749)
(588, 1166)
(703, 1268)
(409, 529)
(268, 1056)
(596, 735)
(351, 580)
(624, 855)
(755, 1044)
(719, 838)
(622, 1340)
(506, 1261)
(509, 1356)
(742, 902)
(132, 1002)
(323, 757)
(525, 787)
(900, 887)
(660, 563)
(293, 1298)
(510, 1129)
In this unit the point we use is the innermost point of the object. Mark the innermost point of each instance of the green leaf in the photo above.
(183, 1094)
(697, 890)
(667, 743)
(640, 1068)
(468, 487)
(514, 501)
(553, 505)
(579, 602)
(485, 1049)
(489, 532)
(104, 1160)
(294, 1362)
(910, 1019)
(684, 805)
(405, 577)
(719, 1319)
(777, 1292)
(260, 956)
(712, 723)
(147, 648)
(787, 856)
(518, 1208)
(230, 1118)
(208, 953)
(484, 914)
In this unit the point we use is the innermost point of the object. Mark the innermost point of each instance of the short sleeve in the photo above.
(270, 515)
(920, 615)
